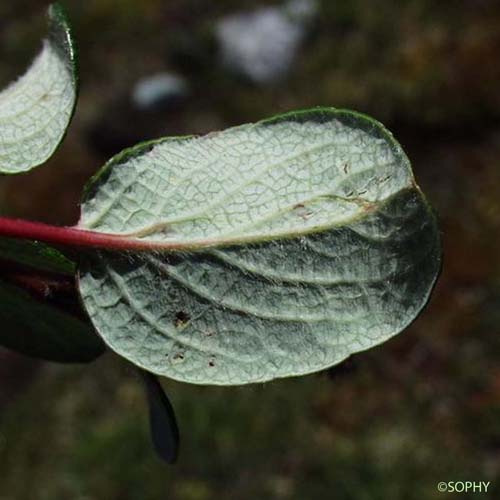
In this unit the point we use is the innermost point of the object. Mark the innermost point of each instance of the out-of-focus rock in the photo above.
(301, 11)
(152, 108)
(162, 90)
(261, 45)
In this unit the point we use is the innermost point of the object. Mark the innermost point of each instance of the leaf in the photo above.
(40, 330)
(35, 111)
(162, 421)
(38, 327)
(35, 255)
(267, 250)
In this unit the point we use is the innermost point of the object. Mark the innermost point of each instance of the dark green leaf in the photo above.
(162, 421)
(37, 329)
(35, 255)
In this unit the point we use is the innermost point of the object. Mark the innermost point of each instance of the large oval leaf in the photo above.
(267, 250)
(35, 111)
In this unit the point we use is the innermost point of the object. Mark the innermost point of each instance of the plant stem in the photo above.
(136, 241)
(68, 236)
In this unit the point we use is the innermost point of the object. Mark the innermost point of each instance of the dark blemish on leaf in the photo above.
(302, 212)
(211, 363)
(346, 168)
(182, 318)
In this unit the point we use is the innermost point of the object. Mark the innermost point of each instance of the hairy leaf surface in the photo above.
(35, 111)
(267, 250)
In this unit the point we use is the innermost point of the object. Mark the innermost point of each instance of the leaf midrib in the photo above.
(217, 202)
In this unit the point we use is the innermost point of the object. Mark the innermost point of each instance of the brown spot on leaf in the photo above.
(302, 211)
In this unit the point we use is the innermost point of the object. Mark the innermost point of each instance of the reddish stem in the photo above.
(68, 236)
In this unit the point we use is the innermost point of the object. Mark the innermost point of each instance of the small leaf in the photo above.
(40, 330)
(35, 111)
(162, 422)
(35, 255)
(267, 250)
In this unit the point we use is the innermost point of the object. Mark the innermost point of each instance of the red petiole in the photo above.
(67, 236)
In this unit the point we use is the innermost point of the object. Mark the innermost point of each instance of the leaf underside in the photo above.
(277, 248)
(35, 110)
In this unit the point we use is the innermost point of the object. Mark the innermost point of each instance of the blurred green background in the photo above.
(386, 424)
